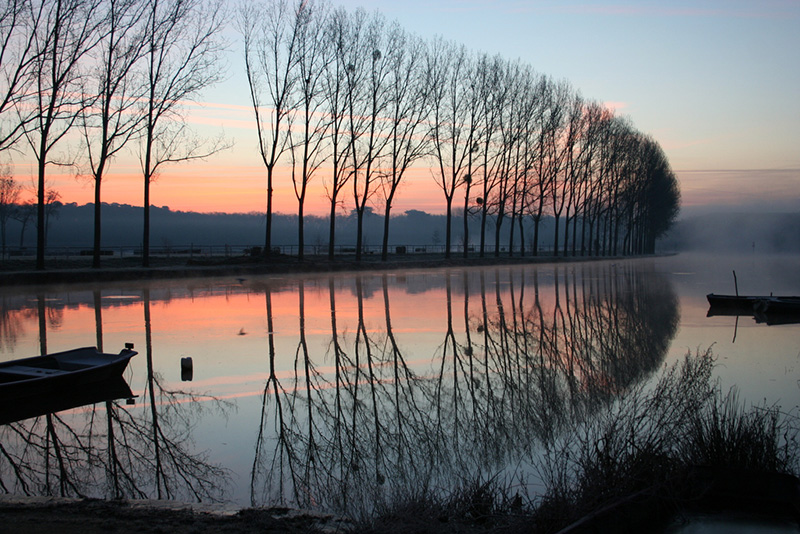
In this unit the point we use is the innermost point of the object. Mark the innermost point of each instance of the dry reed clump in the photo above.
(639, 454)
(727, 434)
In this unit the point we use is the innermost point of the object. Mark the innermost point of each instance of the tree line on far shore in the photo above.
(345, 98)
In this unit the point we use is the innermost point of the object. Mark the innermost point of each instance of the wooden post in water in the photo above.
(735, 283)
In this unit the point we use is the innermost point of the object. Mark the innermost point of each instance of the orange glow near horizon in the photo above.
(215, 187)
(223, 186)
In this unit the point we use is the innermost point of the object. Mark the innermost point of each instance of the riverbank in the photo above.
(20, 272)
(727, 499)
(42, 515)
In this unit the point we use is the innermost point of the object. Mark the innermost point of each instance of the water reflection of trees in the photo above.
(110, 449)
(519, 360)
(523, 353)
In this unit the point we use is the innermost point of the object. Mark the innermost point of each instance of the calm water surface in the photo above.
(332, 391)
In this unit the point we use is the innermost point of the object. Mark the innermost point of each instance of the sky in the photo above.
(716, 83)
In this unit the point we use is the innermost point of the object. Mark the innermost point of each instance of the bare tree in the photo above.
(574, 161)
(368, 103)
(183, 50)
(52, 205)
(555, 150)
(528, 126)
(112, 122)
(596, 118)
(488, 77)
(502, 201)
(661, 197)
(335, 84)
(539, 187)
(67, 31)
(270, 31)
(19, 23)
(474, 95)
(313, 61)
(408, 109)
(9, 197)
(23, 213)
(449, 68)
(512, 170)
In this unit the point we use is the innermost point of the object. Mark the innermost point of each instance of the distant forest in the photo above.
(71, 226)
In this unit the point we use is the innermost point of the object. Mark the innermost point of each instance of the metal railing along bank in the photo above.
(192, 250)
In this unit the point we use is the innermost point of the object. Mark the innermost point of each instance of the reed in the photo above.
(638, 453)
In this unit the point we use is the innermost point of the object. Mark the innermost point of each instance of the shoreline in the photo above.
(120, 270)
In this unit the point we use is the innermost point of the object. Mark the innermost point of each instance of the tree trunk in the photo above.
(97, 222)
(146, 233)
(40, 222)
(385, 244)
(268, 231)
(557, 218)
(466, 222)
(359, 232)
(300, 235)
(448, 231)
(332, 230)
(484, 217)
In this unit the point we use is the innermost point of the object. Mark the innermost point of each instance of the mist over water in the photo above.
(327, 391)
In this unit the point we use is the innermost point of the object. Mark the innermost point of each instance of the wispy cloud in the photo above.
(615, 106)
(762, 10)
(777, 188)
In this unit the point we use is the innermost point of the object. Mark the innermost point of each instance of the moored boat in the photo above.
(748, 304)
(733, 302)
(778, 305)
(60, 372)
(27, 407)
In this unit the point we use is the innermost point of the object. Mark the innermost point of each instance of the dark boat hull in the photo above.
(768, 309)
(37, 405)
(59, 373)
(733, 302)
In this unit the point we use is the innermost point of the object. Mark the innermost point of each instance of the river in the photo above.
(333, 391)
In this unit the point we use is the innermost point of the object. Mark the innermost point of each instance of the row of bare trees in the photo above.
(359, 100)
(343, 96)
(97, 77)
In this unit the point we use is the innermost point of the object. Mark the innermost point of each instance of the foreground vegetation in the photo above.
(661, 449)
(658, 450)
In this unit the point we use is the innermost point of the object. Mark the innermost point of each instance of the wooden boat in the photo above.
(60, 372)
(748, 304)
(733, 302)
(37, 405)
(778, 305)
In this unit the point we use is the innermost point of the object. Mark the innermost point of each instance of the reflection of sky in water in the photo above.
(223, 325)
(762, 361)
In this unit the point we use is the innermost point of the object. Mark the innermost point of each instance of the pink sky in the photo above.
(714, 84)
